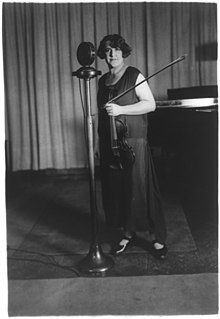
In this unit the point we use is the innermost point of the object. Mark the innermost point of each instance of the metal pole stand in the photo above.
(96, 261)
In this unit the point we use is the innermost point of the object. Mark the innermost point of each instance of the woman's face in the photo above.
(113, 56)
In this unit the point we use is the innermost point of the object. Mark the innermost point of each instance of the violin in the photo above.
(123, 156)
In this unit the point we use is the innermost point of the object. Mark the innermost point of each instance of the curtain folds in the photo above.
(44, 117)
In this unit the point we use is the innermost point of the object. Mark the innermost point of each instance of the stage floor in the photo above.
(48, 233)
(195, 294)
(48, 230)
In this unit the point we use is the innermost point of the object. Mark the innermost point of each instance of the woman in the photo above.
(131, 197)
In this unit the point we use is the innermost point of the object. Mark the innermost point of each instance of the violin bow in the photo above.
(146, 79)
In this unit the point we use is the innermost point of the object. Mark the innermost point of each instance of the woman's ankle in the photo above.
(128, 233)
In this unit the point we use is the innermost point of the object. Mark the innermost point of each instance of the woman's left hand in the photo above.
(113, 109)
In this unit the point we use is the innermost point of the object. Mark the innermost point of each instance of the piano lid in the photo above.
(189, 103)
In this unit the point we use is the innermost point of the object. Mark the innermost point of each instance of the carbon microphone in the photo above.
(86, 53)
(86, 56)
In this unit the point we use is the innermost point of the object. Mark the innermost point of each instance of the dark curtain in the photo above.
(44, 118)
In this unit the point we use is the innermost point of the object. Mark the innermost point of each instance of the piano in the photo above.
(197, 104)
(183, 136)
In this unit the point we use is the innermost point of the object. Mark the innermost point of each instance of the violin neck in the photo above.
(113, 131)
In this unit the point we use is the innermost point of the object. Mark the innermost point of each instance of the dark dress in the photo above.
(131, 197)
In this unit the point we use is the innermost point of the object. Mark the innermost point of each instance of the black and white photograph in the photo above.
(109, 171)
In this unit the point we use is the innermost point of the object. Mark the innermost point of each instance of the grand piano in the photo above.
(183, 135)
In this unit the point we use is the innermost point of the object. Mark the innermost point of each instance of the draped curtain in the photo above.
(43, 108)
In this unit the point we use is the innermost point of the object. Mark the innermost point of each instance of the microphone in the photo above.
(96, 261)
(86, 53)
(86, 56)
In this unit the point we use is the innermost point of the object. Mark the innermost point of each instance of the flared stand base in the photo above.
(96, 262)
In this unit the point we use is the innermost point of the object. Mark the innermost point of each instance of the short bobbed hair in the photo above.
(114, 41)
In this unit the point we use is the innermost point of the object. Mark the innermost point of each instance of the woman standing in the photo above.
(131, 197)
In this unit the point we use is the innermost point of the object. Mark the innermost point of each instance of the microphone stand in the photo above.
(96, 261)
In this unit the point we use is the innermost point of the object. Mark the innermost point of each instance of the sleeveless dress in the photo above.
(131, 197)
